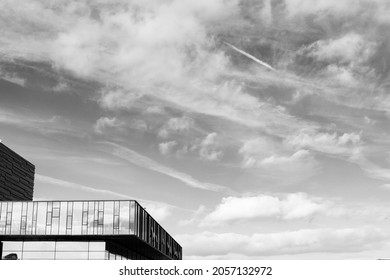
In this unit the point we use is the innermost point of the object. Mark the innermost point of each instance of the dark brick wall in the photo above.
(16, 176)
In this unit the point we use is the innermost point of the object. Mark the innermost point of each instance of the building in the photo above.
(99, 229)
(16, 176)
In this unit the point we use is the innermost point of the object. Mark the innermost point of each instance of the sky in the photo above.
(248, 129)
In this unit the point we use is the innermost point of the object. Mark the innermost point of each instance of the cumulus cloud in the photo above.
(265, 154)
(349, 48)
(208, 149)
(328, 143)
(117, 98)
(166, 148)
(292, 206)
(159, 211)
(104, 123)
(176, 125)
(323, 240)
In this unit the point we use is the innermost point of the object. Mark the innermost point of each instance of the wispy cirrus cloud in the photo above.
(148, 163)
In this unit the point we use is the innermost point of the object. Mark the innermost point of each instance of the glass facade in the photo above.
(85, 218)
(51, 250)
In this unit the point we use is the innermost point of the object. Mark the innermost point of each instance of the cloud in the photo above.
(12, 78)
(66, 184)
(321, 240)
(289, 207)
(328, 143)
(159, 211)
(168, 52)
(145, 162)
(55, 125)
(276, 159)
(349, 48)
(176, 125)
(166, 148)
(207, 149)
(104, 123)
(154, 110)
(116, 98)
(371, 169)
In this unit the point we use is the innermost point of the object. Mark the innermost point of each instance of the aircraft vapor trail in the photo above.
(251, 57)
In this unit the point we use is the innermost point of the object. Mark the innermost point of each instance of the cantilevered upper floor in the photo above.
(123, 222)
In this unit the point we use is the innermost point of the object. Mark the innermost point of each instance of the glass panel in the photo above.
(16, 217)
(77, 214)
(97, 255)
(97, 246)
(71, 246)
(116, 222)
(70, 207)
(12, 246)
(30, 206)
(56, 212)
(131, 218)
(23, 224)
(3, 216)
(63, 214)
(85, 217)
(35, 214)
(91, 208)
(108, 217)
(8, 219)
(24, 208)
(38, 255)
(100, 218)
(42, 246)
(41, 218)
(124, 226)
(49, 206)
(71, 255)
(48, 218)
(69, 222)
(116, 207)
(54, 229)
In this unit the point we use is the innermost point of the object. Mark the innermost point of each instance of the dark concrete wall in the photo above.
(16, 176)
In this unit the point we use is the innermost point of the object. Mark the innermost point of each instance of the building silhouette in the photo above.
(81, 230)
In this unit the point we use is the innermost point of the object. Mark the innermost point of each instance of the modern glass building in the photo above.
(101, 229)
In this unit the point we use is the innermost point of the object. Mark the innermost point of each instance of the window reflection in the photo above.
(85, 217)
(108, 217)
(38, 255)
(15, 218)
(77, 210)
(43, 246)
(71, 256)
(41, 218)
(72, 246)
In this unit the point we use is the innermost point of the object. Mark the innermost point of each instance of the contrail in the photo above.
(251, 57)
